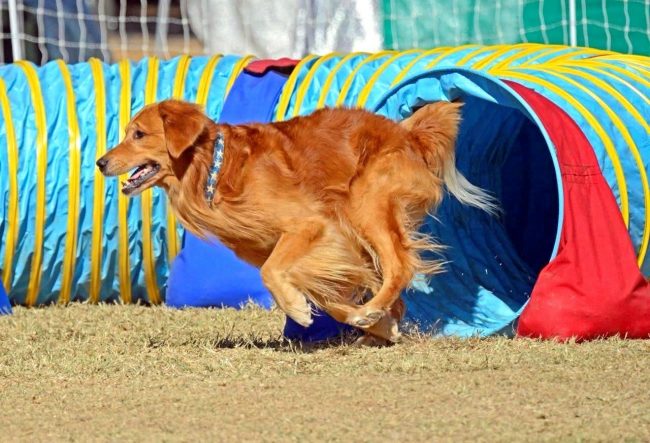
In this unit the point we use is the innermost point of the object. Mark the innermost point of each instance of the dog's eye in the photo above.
(138, 134)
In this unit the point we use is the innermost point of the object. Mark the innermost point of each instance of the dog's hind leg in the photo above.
(380, 221)
(387, 203)
(278, 269)
(335, 273)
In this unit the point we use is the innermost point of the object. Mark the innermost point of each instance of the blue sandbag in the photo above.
(206, 273)
(5, 306)
(323, 328)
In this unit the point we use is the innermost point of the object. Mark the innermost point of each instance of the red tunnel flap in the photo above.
(593, 288)
(261, 67)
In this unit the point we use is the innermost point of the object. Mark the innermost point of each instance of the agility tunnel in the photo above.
(559, 135)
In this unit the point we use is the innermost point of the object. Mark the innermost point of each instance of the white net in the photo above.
(74, 30)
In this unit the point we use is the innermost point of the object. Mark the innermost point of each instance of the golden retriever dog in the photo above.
(327, 206)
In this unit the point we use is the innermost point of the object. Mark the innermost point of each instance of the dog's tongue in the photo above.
(138, 172)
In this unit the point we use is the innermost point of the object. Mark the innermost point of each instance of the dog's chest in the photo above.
(249, 230)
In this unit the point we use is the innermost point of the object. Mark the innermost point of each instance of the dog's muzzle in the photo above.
(101, 164)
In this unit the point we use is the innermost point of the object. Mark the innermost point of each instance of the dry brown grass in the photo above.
(129, 373)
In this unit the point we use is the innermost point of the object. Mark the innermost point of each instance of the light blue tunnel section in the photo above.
(57, 177)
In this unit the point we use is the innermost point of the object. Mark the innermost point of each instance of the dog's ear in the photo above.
(183, 123)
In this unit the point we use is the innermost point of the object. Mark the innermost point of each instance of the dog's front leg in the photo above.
(277, 271)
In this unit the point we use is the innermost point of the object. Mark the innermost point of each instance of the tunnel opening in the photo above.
(492, 263)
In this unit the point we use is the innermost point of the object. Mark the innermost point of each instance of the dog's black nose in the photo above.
(101, 163)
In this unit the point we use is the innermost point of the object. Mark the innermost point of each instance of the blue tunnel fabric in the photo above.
(206, 273)
(58, 158)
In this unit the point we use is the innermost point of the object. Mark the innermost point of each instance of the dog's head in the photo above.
(155, 145)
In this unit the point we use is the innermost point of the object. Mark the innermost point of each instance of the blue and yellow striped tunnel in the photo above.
(67, 234)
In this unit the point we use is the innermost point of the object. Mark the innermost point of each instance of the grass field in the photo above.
(128, 373)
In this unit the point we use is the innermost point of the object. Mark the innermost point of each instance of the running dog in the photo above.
(327, 205)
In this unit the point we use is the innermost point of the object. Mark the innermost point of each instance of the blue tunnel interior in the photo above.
(492, 263)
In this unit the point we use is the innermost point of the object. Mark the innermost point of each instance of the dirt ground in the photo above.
(128, 373)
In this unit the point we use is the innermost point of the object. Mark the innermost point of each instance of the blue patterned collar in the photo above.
(217, 161)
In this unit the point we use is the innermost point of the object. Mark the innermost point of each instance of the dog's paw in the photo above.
(371, 340)
(387, 329)
(301, 316)
(395, 335)
(366, 317)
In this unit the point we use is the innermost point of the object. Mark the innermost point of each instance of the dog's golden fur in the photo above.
(327, 206)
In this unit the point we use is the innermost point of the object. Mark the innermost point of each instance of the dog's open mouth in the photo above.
(139, 176)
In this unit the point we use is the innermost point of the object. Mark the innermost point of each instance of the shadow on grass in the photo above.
(262, 341)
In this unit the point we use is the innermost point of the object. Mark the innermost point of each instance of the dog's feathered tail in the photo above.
(435, 126)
